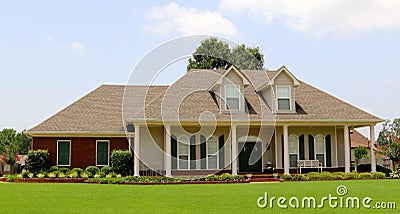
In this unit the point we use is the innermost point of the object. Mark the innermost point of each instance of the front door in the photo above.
(250, 157)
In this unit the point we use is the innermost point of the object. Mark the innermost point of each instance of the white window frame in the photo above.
(70, 151)
(294, 153)
(179, 143)
(226, 97)
(216, 153)
(108, 153)
(323, 145)
(290, 97)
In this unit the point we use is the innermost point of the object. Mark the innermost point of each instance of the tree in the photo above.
(10, 156)
(216, 54)
(388, 143)
(10, 136)
(360, 152)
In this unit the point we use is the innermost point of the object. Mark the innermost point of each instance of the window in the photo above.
(63, 152)
(212, 155)
(232, 97)
(102, 151)
(320, 149)
(183, 152)
(283, 97)
(293, 150)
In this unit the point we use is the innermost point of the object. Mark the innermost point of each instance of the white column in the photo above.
(346, 149)
(167, 149)
(286, 161)
(372, 146)
(136, 151)
(234, 148)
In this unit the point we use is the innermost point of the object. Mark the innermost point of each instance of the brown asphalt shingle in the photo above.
(100, 111)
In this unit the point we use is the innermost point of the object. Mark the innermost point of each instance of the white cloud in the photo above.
(174, 18)
(78, 48)
(339, 17)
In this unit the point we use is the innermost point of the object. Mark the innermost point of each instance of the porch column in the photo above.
(286, 161)
(346, 149)
(372, 147)
(234, 149)
(136, 150)
(167, 149)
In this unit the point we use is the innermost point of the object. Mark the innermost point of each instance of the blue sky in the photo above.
(53, 53)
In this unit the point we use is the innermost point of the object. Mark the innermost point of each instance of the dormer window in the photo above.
(283, 97)
(232, 97)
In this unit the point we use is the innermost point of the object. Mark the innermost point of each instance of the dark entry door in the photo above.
(250, 157)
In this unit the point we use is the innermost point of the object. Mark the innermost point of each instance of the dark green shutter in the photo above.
(102, 153)
(203, 152)
(283, 153)
(221, 142)
(174, 152)
(193, 152)
(63, 153)
(310, 147)
(328, 150)
(301, 147)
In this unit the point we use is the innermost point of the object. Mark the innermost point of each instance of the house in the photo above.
(358, 139)
(207, 121)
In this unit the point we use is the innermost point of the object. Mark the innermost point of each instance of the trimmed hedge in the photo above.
(92, 170)
(37, 161)
(316, 176)
(120, 161)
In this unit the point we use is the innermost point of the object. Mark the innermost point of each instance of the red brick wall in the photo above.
(83, 150)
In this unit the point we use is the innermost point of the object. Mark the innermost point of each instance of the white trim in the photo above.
(336, 146)
(216, 154)
(69, 160)
(108, 152)
(277, 98)
(276, 148)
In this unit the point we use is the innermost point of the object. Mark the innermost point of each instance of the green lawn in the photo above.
(212, 198)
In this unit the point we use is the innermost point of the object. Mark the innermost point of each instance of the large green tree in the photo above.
(216, 54)
(388, 143)
(11, 137)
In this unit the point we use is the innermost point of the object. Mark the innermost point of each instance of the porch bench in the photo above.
(309, 164)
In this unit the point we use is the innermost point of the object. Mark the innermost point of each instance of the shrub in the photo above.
(286, 177)
(30, 175)
(19, 176)
(64, 170)
(313, 176)
(52, 175)
(107, 169)
(338, 175)
(99, 174)
(351, 176)
(299, 177)
(365, 175)
(226, 177)
(238, 177)
(73, 174)
(25, 174)
(37, 160)
(86, 174)
(10, 177)
(53, 169)
(395, 174)
(325, 176)
(378, 175)
(111, 175)
(77, 170)
(92, 169)
(40, 175)
(61, 175)
(379, 168)
(211, 177)
(120, 161)
(111, 180)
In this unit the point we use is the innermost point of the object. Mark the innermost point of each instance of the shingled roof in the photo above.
(101, 110)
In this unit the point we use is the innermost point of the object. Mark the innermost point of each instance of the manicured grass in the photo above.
(211, 198)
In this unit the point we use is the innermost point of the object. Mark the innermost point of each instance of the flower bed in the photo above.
(316, 176)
